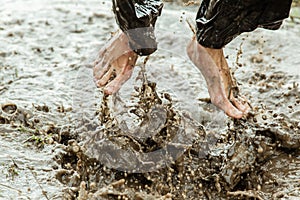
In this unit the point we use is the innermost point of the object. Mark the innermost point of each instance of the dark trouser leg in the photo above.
(136, 18)
(220, 21)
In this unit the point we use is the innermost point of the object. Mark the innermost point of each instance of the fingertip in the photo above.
(95, 79)
(101, 83)
(108, 90)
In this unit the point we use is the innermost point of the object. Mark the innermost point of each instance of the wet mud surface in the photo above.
(158, 138)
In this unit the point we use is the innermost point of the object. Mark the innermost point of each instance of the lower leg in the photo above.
(228, 81)
(205, 61)
(218, 56)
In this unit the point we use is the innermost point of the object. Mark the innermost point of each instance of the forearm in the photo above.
(137, 18)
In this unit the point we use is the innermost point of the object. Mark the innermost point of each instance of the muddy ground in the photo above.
(159, 137)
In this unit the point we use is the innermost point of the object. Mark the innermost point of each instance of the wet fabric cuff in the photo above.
(142, 40)
(136, 18)
(220, 21)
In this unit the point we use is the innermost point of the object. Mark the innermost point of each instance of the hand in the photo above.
(115, 63)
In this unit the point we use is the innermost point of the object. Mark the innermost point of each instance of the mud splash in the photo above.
(239, 163)
(191, 149)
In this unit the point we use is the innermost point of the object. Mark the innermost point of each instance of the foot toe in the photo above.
(230, 110)
(241, 104)
(234, 113)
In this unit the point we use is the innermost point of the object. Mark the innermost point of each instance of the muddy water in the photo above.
(157, 138)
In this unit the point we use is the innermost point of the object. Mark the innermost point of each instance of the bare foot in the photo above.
(214, 79)
(229, 83)
(114, 64)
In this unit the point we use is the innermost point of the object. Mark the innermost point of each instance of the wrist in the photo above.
(142, 40)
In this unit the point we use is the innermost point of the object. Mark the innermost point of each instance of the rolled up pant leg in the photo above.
(220, 21)
(136, 18)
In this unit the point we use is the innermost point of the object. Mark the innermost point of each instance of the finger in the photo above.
(109, 57)
(100, 69)
(128, 59)
(104, 64)
(102, 51)
(121, 78)
(115, 48)
(123, 61)
(105, 78)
